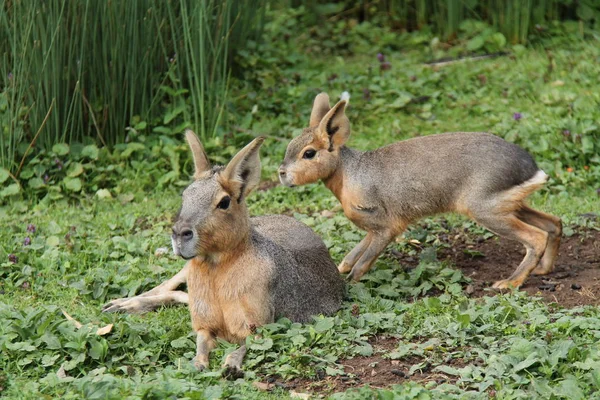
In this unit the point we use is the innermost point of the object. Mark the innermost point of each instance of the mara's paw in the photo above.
(132, 305)
(199, 365)
(344, 267)
(542, 269)
(355, 275)
(232, 372)
(506, 284)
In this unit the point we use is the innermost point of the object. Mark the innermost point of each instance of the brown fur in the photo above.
(384, 190)
(223, 303)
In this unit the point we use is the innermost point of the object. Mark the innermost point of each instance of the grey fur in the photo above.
(479, 164)
(305, 280)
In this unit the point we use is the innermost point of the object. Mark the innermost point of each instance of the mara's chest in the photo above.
(228, 302)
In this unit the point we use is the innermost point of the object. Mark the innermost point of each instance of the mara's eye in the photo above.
(309, 154)
(224, 203)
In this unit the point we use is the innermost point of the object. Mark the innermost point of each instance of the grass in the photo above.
(86, 250)
(86, 70)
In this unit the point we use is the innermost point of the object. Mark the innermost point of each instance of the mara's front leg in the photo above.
(378, 243)
(205, 343)
(233, 363)
(351, 258)
(162, 295)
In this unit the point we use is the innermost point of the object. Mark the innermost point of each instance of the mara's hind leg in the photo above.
(534, 239)
(550, 224)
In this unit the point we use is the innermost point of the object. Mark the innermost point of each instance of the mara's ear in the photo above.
(334, 128)
(201, 163)
(242, 174)
(320, 108)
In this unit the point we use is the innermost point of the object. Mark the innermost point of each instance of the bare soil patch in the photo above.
(575, 280)
(374, 370)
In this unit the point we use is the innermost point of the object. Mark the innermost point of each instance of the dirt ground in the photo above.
(575, 281)
(375, 371)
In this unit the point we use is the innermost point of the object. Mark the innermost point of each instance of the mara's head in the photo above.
(315, 153)
(213, 217)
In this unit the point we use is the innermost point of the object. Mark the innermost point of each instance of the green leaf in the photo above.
(75, 169)
(528, 362)
(333, 371)
(125, 198)
(72, 184)
(103, 194)
(323, 325)
(10, 190)
(262, 344)
(364, 350)
(90, 151)
(52, 241)
(448, 370)
(131, 147)
(4, 175)
(98, 349)
(476, 43)
(174, 112)
(52, 341)
(587, 144)
(585, 12)
(433, 303)
(402, 100)
(213, 392)
(61, 149)
(570, 389)
(162, 129)
(499, 40)
(181, 343)
(36, 183)
(48, 360)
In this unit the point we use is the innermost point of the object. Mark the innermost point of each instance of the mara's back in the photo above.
(430, 173)
(447, 157)
(306, 281)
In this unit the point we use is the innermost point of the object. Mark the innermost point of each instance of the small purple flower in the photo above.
(385, 65)
(380, 57)
(13, 258)
(517, 116)
(10, 76)
(46, 179)
(31, 228)
(58, 163)
(566, 133)
(366, 94)
(27, 241)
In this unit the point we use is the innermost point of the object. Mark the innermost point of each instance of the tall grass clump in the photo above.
(73, 70)
(514, 18)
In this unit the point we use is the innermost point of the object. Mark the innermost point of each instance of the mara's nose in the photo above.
(281, 171)
(184, 232)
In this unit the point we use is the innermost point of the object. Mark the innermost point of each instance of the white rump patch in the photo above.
(345, 96)
(539, 178)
